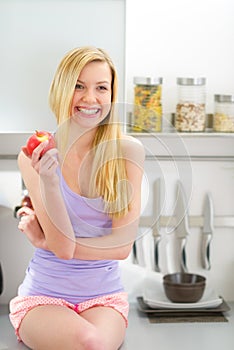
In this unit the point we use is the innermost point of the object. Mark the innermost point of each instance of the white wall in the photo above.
(180, 38)
(34, 36)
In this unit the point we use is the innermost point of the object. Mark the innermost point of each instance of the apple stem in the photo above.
(38, 133)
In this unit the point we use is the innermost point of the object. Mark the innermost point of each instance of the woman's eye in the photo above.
(102, 87)
(79, 87)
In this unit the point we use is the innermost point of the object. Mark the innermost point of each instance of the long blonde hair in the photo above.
(109, 177)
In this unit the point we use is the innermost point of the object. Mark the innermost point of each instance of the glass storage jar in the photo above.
(223, 113)
(190, 109)
(147, 113)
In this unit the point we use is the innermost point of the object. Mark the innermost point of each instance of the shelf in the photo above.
(182, 146)
(163, 145)
(11, 143)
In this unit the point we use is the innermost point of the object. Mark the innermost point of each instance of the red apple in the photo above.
(37, 138)
(26, 202)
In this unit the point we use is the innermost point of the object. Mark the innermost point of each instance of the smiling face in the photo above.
(91, 101)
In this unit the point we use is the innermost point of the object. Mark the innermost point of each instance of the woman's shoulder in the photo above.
(132, 146)
(131, 141)
(130, 138)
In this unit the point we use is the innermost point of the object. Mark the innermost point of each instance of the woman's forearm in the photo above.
(48, 203)
(56, 225)
(87, 249)
(117, 245)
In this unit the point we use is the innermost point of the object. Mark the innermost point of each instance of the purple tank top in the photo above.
(74, 280)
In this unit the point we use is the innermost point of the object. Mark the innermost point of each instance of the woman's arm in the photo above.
(118, 244)
(30, 226)
(41, 180)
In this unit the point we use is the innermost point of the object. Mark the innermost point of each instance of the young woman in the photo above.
(86, 196)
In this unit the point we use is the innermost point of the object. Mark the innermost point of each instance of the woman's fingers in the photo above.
(25, 221)
(23, 211)
(48, 162)
(43, 163)
(36, 155)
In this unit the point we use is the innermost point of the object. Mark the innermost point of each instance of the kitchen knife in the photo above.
(182, 227)
(156, 226)
(207, 232)
(134, 253)
(1, 280)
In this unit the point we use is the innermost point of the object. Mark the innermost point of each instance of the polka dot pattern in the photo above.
(19, 306)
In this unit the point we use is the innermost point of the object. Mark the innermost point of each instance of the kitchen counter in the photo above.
(176, 336)
(141, 334)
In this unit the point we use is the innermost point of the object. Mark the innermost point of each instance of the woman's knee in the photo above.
(92, 340)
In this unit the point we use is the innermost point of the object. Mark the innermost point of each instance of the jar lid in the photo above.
(224, 98)
(147, 80)
(191, 81)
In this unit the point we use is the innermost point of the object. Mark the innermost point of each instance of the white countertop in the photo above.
(143, 335)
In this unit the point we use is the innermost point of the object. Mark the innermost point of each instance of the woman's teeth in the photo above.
(88, 111)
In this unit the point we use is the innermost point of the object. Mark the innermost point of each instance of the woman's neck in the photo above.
(81, 140)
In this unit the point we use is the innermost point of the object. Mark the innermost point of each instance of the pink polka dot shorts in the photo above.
(20, 306)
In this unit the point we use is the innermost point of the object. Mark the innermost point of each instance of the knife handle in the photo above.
(134, 251)
(157, 240)
(183, 263)
(206, 253)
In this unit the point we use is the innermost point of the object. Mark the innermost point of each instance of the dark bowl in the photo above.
(182, 287)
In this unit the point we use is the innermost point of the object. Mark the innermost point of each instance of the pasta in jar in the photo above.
(147, 114)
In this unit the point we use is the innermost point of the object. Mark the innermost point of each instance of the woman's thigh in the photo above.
(54, 327)
(109, 323)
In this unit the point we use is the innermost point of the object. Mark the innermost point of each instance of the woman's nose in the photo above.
(89, 96)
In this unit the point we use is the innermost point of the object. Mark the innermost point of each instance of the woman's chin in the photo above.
(87, 121)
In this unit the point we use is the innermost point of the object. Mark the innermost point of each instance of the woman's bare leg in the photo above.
(53, 327)
(110, 325)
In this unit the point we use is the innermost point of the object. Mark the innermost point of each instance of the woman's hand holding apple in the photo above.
(45, 164)
(41, 149)
(40, 137)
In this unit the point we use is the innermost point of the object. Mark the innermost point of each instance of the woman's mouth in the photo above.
(89, 112)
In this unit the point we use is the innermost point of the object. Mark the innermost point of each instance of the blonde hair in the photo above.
(109, 177)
